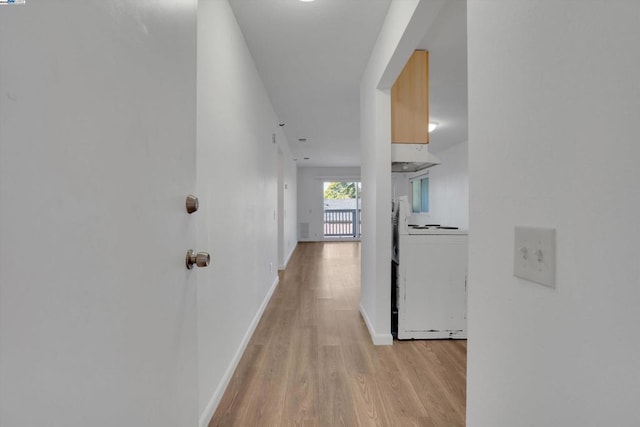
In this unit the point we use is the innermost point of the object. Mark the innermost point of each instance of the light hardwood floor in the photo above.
(310, 361)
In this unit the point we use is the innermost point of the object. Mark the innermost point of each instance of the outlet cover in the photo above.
(534, 255)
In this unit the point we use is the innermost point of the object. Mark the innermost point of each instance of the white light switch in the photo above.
(534, 255)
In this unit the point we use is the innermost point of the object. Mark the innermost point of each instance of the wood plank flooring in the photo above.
(310, 361)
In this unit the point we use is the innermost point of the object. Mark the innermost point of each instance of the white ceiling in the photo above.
(311, 56)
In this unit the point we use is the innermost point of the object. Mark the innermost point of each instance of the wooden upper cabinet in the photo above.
(410, 102)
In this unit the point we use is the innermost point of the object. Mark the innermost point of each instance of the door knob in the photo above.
(200, 259)
(192, 203)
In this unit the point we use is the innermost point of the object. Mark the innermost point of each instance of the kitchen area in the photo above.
(429, 220)
(430, 180)
(429, 249)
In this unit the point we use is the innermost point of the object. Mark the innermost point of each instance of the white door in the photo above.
(97, 154)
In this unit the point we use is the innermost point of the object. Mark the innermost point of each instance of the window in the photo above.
(420, 194)
(342, 209)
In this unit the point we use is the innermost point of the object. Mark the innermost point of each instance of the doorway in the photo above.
(342, 207)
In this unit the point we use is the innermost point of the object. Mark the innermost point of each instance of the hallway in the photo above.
(311, 362)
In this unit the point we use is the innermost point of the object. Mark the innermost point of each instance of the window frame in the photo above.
(421, 178)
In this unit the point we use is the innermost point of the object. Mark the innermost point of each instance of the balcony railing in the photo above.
(342, 222)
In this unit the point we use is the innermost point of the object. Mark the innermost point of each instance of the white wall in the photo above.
(375, 148)
(290, 209)
(237, 182)
(287, 208)
(449, 187)
(399, 184)
(311, 196)
(554, 102)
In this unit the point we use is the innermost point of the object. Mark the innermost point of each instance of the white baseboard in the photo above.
(286, 261)
(377, 339)
(211, 407)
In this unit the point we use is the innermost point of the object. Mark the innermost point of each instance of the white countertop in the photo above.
(434, 231)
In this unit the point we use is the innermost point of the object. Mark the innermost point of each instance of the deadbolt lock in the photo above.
(192, 203)
(200, 259)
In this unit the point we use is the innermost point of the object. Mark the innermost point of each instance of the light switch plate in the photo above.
(534, 255)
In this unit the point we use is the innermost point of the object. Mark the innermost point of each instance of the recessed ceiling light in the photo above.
(307, 0)
(432, 126)
(302, 139)
(307, 158)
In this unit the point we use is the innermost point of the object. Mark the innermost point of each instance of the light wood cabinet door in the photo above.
(410, 102)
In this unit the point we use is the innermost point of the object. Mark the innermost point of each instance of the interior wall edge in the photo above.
(376, 338)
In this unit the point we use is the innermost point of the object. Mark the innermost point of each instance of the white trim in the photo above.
(340, 239)
(418, 174)
(286, 261)
(332, 178)
(377, 339)
(211, 407)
